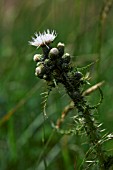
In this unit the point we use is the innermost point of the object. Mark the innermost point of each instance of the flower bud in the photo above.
(60, 47)
(38, 64)
(48, 62)
(40, 70)
(66, 58)
(78, 75)
(37, 57)
(53, 54)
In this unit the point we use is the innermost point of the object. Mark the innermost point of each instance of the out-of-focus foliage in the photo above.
(21, 119)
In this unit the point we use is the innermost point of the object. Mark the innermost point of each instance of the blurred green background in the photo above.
(23, 131)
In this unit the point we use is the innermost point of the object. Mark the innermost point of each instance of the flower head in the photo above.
(44, 38)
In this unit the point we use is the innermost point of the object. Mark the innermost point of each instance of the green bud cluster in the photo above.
(53, 61)
(54, 66)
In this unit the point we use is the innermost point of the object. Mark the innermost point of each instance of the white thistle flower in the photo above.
(44, 38)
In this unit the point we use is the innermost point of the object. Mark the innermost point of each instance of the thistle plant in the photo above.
(54, 66)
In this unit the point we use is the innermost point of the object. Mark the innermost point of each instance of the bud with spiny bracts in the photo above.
(78, 75)
(60, 47)
(53, 54)
(37, 57)
(39, 63)
(40, 71)
(66, 58)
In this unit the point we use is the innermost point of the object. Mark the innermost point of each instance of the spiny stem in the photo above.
(92, 133)
(89, 123)
(94, 137)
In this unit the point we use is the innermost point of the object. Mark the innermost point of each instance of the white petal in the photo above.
(43, 38)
